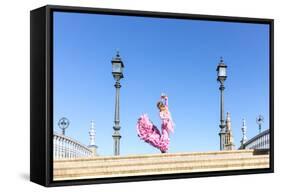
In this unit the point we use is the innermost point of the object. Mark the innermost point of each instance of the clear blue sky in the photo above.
(178, 57)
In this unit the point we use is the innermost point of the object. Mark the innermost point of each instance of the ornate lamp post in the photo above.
(117, 72)
(63, 124)
(259, 121)
(221, 77)
(244, 137)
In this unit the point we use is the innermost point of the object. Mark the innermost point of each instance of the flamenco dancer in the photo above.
(148, 132)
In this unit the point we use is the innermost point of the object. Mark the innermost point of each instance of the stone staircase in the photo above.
(114, 166)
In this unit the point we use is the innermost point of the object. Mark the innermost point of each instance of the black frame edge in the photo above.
(271, 92)
(158, 14)
(38, 137)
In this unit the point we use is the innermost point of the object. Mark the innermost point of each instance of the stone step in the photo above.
(154, 158)
(157, 172)
(247, 152)
(155, 161)
(78, 174)
(157, 164)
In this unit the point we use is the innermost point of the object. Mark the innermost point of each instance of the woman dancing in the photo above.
(148, 132)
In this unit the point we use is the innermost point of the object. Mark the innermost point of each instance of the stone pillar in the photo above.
(94, 149)
(229, 142)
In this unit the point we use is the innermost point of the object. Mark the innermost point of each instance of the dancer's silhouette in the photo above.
(148, 132)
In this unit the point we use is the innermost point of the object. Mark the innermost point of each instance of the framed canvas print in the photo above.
(126, 95)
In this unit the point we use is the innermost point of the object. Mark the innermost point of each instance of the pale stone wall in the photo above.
(114, 166)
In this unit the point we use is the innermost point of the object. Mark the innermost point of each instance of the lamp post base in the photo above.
(116, 140)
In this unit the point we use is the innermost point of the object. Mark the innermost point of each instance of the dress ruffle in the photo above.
(148, 132)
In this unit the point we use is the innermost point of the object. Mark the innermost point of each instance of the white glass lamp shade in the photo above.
(117, 68)
(222, 72)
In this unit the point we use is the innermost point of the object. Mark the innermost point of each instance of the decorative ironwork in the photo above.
(259, 121)
(63, 124)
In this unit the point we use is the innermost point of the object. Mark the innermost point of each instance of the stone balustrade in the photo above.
(260, 141)
(67, 148)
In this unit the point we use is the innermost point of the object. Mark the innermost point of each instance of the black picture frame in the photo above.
(41, 99)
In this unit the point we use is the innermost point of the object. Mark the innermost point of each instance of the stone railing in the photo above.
(67, 148)
(260, 141)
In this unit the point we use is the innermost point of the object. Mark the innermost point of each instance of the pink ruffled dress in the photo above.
(148, 132)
